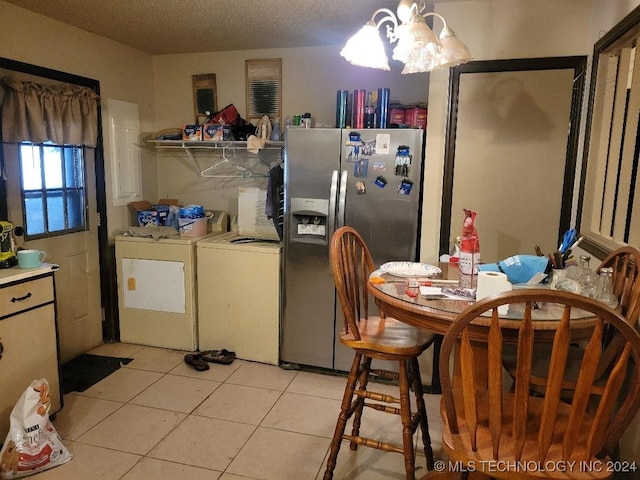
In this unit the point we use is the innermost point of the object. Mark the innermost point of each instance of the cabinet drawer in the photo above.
(23, 296)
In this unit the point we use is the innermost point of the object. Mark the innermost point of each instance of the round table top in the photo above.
(398, 300)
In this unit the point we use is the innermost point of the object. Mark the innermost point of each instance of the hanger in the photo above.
(244, 172)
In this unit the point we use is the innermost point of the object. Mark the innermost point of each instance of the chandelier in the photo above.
(418, 46)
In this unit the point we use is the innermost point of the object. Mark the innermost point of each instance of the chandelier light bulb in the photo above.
(417, 47)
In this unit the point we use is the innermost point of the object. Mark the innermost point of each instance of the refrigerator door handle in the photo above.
(343, 198)
(333, 195)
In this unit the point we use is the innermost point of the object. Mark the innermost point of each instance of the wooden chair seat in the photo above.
(388, 337)
(375, 338)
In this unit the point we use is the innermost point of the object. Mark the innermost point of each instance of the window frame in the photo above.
(620, 37)
(64, 190)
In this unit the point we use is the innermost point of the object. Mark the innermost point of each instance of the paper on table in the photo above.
(437, 292)
(430, 291)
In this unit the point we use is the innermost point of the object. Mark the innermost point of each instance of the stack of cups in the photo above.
(359, 97)
(342, 101)
(382, 110)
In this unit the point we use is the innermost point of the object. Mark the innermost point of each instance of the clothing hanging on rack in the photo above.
(274, 207)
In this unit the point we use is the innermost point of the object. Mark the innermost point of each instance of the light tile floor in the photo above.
(157, 418)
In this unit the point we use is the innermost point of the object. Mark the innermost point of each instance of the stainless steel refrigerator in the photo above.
(369, 179)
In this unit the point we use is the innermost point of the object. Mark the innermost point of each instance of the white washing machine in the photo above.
(157, 288)
(239, 296)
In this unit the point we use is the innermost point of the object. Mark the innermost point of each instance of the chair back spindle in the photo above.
(514, 425)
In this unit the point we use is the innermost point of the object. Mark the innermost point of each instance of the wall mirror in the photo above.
(609, 198)
(510, 152)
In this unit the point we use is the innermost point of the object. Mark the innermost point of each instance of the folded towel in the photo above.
(157, 232)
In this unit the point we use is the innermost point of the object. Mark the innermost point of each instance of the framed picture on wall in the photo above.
(264, 89)
(205, 97)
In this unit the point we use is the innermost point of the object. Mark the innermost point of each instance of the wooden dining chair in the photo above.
(486, 422)
(375, 338)
(625, 262)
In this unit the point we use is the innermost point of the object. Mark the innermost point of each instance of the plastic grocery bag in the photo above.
(32, 444)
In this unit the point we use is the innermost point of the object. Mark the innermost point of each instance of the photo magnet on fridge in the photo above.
(353, 153)
(379, 166)
(361, 189)
(361, 169)
(383, 140)
(368, 147)
(381, 181)
(405, 187)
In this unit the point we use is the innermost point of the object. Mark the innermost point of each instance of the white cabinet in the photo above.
(28, 338)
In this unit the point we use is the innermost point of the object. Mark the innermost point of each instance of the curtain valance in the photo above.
(64, 114)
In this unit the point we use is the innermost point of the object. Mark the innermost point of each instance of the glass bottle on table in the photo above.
(605, 288)
(587, 278)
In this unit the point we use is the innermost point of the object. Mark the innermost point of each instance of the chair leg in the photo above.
(347, 399)
(363, 381)
(405, 414)
(421, 411)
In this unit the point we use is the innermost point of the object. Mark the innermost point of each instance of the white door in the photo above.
(77, 281)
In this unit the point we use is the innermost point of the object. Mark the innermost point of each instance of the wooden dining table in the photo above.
(397, 299)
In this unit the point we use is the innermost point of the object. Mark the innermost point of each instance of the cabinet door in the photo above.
(29, 353)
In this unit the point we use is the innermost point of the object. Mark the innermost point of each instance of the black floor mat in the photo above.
(86, 370)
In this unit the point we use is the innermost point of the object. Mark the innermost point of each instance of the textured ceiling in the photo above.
(187, 26)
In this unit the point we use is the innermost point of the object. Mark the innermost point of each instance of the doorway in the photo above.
(83, 318)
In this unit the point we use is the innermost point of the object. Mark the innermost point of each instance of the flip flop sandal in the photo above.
(196, 361)
(224, 356)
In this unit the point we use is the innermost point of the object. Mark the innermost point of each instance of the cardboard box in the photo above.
(212, 132)
(252, 219)
(135, 209)
(162, 213)
(148, 218)
(192, 132)
(396, 115)
(416, 117)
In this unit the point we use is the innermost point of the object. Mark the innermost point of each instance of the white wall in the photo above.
(310, 79)
(533, 29)
(124, 74)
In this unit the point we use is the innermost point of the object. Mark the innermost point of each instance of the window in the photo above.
(53, 191)
(610, 198)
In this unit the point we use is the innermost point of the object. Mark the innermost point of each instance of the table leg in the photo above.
(435, 387)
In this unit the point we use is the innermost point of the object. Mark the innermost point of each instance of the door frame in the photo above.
(107, 287)
(578, 64)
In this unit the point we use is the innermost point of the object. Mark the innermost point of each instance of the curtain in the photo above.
(64, 114)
